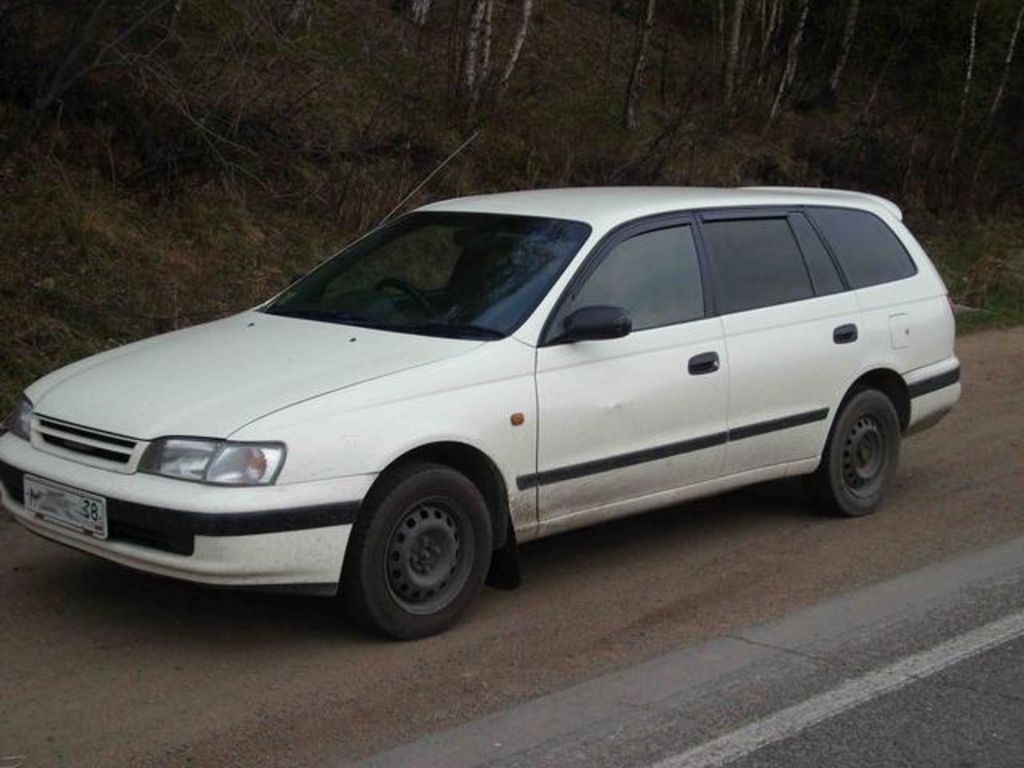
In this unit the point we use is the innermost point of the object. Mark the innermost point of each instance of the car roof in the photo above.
(608, 206)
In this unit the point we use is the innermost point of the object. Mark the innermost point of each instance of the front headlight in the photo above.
(20, 421)
(214, 461)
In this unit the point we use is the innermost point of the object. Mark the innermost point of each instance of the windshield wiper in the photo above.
(453, 330)
(326, 315)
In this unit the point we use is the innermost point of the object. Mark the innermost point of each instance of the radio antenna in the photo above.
(431, 175)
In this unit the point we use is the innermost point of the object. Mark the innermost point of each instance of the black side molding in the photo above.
(597, 466)
(934, 383)
(774, 425)
(618, 462)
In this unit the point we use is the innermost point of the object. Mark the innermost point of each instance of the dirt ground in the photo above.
(100, 666)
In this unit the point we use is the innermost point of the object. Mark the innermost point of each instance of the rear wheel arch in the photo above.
(889, 383)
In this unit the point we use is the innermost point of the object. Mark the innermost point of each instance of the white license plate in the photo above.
(66, 507)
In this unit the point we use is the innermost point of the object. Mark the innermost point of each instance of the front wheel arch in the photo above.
(475, 465)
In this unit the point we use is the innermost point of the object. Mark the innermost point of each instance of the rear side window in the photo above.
(655, 276)
(757, 263)
(868, 251)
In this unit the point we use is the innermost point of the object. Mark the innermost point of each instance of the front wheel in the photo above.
(860, 458)
(419, 552)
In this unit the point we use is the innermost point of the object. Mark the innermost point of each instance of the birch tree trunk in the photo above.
(968, 79)
(767, 36)
(880, 79)
(1004, 78)
(471, 55)
(792, 57)
(172, 23)
(420, 11)
(643, 42)
(301, 13)
(732, 51)
(849, 29)
(997, 99)
(485, 49)
(517, 45)
(718, 33)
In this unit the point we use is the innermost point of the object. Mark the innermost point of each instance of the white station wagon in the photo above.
(495, 369)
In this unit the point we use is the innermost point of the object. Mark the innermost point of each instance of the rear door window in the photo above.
(756, 263)
(867, 250)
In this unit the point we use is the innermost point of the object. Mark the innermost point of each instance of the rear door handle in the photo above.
(845, 334)
(706, 362)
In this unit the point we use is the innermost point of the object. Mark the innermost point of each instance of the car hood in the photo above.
(213, 379)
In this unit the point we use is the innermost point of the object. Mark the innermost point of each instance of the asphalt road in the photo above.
(101, 666)
(923, 669)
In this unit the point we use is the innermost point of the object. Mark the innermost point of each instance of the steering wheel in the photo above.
(408, 289)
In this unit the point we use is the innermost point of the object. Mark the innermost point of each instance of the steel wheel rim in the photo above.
(865, 455)
(429, 555)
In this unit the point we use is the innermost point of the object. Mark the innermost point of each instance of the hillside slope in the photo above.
(199, 152)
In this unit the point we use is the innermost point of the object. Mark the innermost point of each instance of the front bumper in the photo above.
(283, 536)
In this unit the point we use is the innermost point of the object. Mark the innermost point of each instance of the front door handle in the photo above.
(706, 362)
(845, 334)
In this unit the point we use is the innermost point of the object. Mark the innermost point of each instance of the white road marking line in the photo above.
(792, 720)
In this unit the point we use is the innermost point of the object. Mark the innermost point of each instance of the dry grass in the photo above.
(88, 268)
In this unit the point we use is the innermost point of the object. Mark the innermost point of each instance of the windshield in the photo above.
(469, 275)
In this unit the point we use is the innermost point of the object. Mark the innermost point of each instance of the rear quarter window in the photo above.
(868, 252)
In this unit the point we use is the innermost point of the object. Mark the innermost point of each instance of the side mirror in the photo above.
(594, 323)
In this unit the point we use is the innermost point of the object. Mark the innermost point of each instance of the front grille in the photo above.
(89, 445)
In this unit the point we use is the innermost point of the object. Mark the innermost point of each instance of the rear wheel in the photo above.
(860, 458)
(419, 552)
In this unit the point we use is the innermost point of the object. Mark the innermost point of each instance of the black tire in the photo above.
(860, 458)
(419, 552)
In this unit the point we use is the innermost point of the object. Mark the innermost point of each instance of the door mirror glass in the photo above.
(594, 323)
